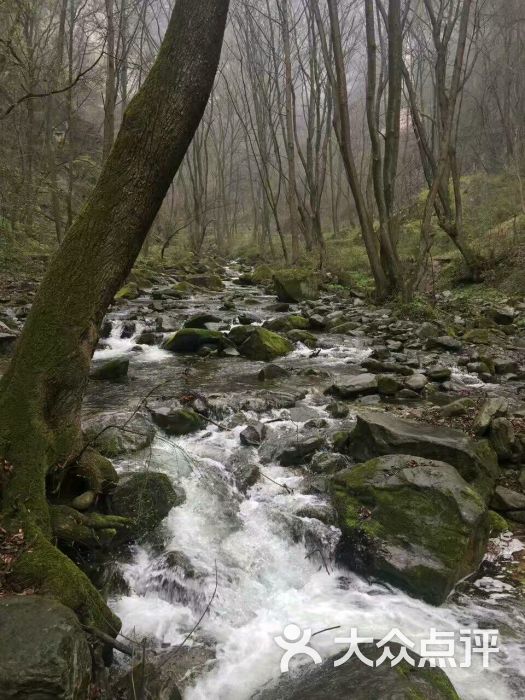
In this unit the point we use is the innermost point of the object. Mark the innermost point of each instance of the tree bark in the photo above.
(42, 390)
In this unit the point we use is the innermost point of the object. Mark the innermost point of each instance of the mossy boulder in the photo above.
(479, 336)
(293, 286)
(304, 337)
(411, 522)
(353, 679)
(262, 274)
(129, 292)
(189, 340)
(114, 370)
(211, 282)
(145, 498)
(258, 343)
(201, 320)
(45, 653)
(287, 323)
(378, 433)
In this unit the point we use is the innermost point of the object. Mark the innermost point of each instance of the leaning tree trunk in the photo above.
(42, 391)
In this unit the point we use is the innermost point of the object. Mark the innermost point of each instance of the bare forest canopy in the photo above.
(331, 123)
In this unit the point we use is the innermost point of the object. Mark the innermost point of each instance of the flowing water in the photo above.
(267, 562)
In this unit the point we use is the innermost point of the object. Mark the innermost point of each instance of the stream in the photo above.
(260, 555)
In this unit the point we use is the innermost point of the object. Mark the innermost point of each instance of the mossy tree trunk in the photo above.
(42, 390)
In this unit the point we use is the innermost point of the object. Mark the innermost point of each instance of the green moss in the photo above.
(498, 524)
(298, 336)
(259, 343)
(130, 291)
(191, 339)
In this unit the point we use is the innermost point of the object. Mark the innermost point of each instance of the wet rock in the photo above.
(7, 339)
(148, 337)
(190, 340)
(346, 327)
(45, 653)
(84, 500)
(411, 522)
(272, 371)
(491, 408)
(177, 421)
(253, 435)
(293, 286)
(128, 329)
(211, 282)
(378, 433)
(417, 382)
(245, 475)
(382, 367)
(246, 319)
(505, 366)
(146, 498)
(103, 433)
(305, 337)
(318, 322)
(478, 336)
(502, 437)
(106, 328)
(505, 499)
(428, 330)
(358, 385)
(259, 344)
(328, 462)
(439, 374)
(201, 321)
(301, 451)
(113, 370)
(318, 510)
(388, 385)
(445, 342)
(338, 409)
(401, 682)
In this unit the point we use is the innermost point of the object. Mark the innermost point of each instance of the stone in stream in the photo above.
(149, 337)
(272, 371)
(439, 374)
(411, 522)
(428, 330)
(258, 343)
(354, 679)
(382, 367)
(177, 421)
(146, 498)
(7, 339)
(379, 433)
(45, 653)
(358, 385)
(305, 337)
(328, 462)
(129, 292)
(502, 315)
(445, 342)
(491, 408)
(113, 370)
(505, 500)
(417, 382)
(337, 409)
(293, 286)
(297, 453)
(201, 321)
(287, 323)
(253, 435)
(190, 340)
(388, 385)
(128, 329)
(460, 407)
(104, 434)
(211, 282)
(505, 365)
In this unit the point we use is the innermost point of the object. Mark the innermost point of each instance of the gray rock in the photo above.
(505, 499)
(502, 315)
(439, 374)
(177, 421)
(428, 330)
(460, 407)
(378, 433)
(388, 385)
(328, 462)
(337, 409)
(45, 654)
(491, 408)
(359, 385)
(301, 451)
(383, 682)
(445, 342)
(201, 321)
(102, 433)
(417, 382)
(502, 437)
(113, 370)
(253, 435)
(272, 371)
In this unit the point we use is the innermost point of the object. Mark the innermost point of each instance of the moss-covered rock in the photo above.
(177, 421)
(114, 434)
(287, 323)
(192, 339)
(353, 679)
(145, 498)
(45, 653)
(412, 522)
(293, 286)
(379, 433)
(258, 343)
(129, 292)
(113, 370)
(305, 337)
(211, 282)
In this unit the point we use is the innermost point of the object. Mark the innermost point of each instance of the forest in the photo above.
(262, 349)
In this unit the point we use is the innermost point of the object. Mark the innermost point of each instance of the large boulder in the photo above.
(115, 434)
(201, 320)
(146, 498)
(293, 286)
(192, 339)
(177, 421)
(353, 679)
(412, 522)
(45, 654)
(258, 343)
(211, 282)
(358, 385)
(113, 370)
(287, 323)
(379, 433)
